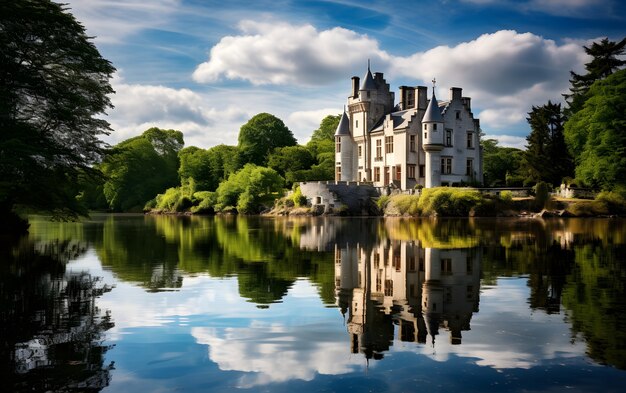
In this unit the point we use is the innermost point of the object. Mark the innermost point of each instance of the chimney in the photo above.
(422, 97)
(403, 98)
(467, 102)
(455, 93)
(355, 86)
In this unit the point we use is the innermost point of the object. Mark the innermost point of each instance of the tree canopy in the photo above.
(546, 157)
(596, 135)
(605, 60)
(139, 168)
(260, 136)
(498, 162)
(54, 85)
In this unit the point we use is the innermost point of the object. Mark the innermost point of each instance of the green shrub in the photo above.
(445, 201)
(506, 196)
(183, 203)
(406, 204)
(297, 197)
(382, 201)
(614, 201)
(542, 195)
(168, 200)
(151, 204)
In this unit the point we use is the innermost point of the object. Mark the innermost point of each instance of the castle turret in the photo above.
(432, 132)
(343, 149)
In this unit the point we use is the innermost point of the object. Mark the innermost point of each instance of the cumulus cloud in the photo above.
(282, 53)
(139, 107)
(309, 120)
(504, 72)
(276, 353)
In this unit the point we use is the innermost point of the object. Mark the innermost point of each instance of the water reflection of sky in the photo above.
(205, 337)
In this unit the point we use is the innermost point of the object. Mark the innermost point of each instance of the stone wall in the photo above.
(337, 196)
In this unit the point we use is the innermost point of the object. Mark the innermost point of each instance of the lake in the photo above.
(127, 303)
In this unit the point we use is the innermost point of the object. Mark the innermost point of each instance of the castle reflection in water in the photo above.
(423, 290)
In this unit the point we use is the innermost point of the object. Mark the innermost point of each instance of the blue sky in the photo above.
(206, 67)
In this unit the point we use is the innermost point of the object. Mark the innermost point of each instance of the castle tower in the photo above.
(343, 150)
(433, 133)
(367, 104)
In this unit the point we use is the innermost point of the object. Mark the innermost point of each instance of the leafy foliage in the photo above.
(54, 85)
(546, 157)
(596, 135)
(498, 162)
(249, 189)
(260, 136)
(140, 167)
(290, 159)
(606, 59)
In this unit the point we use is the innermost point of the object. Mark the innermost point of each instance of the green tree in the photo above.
(139, 168)
(546, 157)
(224, 161)
(289, 159)
(249, 189)
(596, 135)
(498, 162)
(195, 163)
(260, 136)
(54, 85)
(605, 61)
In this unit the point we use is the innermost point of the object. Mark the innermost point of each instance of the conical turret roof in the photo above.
(433, 114)
(368, 81)
(344, 125)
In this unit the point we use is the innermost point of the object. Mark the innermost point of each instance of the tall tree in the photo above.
(596, 135)
(546, 157)
(139, 168)
(54, 87)
(498, 162)
(260, 136)
(605, 61)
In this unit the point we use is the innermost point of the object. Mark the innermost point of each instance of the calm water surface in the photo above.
(161, 304)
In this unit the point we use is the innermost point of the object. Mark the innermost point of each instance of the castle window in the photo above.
(410, 169)
(377, 174)
(411, 142)
(338, 173)
(446, 265)
(398, 172)
(446, 165)
(379, 150)
(357, 124)
(425, 135)
(469, 167)
(435, 127)
(338, 145)
(389, 144)
(470, 140)
(422, 171)
(458, 114)
(388, 287)
(425, 127)
(360, 150)
(448, 137)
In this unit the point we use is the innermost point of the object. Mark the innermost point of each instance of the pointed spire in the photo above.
(368, 80)
(344, 125)
(433, 114)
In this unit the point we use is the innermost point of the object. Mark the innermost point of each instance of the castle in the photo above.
(418, 141)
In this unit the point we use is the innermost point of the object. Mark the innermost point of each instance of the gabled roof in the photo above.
(368, 81)
(344, 125)
(433, 113)
(400, 120)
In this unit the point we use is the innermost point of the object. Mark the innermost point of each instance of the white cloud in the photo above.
(112, 20)
(139, 107)
(518, 142)
(309, 121)
(275, 353)
(280, 53)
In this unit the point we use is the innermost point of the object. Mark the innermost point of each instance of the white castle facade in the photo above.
(418, 141)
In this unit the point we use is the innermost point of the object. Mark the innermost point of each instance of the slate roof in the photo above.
(344, 125)
(433, 113)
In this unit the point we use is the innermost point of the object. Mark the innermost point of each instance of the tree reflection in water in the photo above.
(52, 333)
